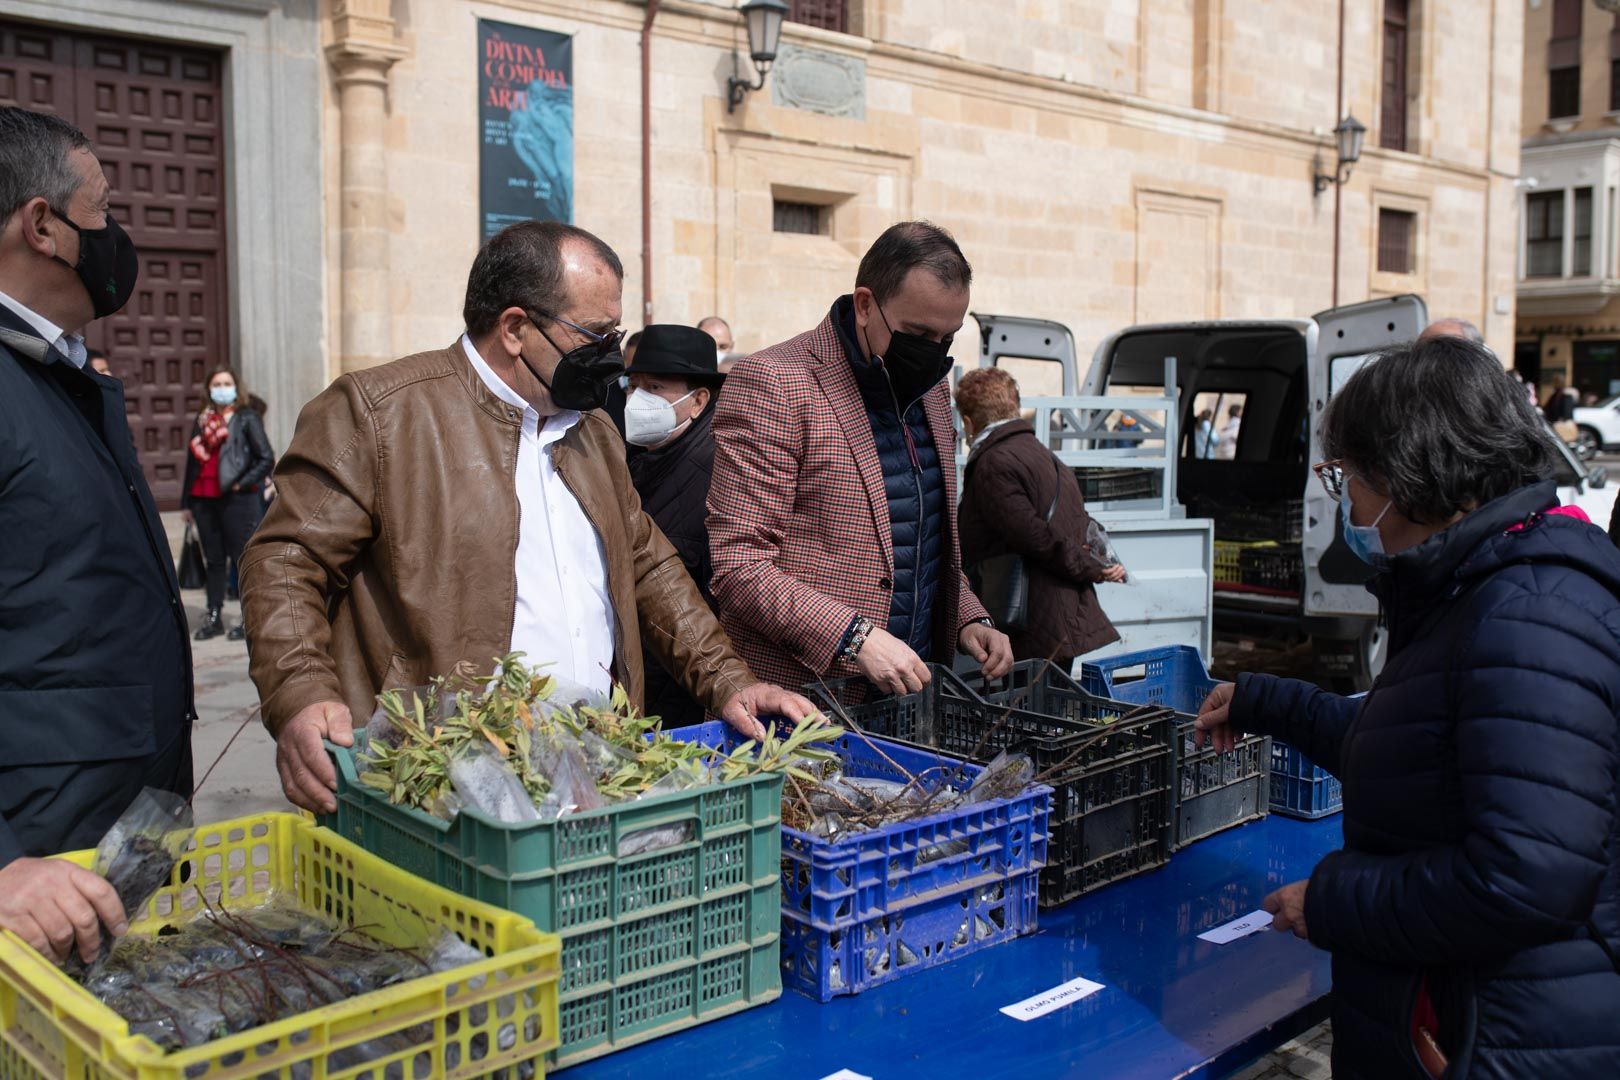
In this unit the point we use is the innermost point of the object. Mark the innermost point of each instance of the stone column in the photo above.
(362, 50)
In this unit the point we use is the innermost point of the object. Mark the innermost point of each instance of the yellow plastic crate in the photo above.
(1229, 559)
(52, 1027)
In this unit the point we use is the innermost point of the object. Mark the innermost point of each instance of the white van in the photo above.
(1280, 569)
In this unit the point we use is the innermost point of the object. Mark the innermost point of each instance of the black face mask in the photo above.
(108, 264)
(913, 362)
(583, 376)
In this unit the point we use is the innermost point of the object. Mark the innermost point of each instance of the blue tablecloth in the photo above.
(1173, 1005)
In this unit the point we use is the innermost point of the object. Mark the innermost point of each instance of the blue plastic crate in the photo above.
(1173, 676)
(1112, 808)
(933, 931)
(897, 887)
(1300, 788)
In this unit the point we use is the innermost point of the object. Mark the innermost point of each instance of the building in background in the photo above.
(304, 176)
(1569, 258)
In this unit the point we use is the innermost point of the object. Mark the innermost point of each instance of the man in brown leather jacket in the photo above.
(458, 504)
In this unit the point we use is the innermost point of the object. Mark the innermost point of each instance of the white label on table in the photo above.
(1053, 999)
(1252, 923)
(845, 1074)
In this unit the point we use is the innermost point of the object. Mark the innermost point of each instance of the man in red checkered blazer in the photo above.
(832, 511)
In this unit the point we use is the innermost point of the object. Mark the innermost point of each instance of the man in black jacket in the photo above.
(95, 668)
(674, 380)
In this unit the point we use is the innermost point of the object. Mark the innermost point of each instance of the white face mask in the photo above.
(649, 419)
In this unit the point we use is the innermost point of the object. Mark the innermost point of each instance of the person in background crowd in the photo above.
(631, 344)
(267, 492)
(1204, 435)
(95, 668)
(1588, 399)
(98, 362)
(1560, 405)
(673, 385)
(830, 512)
(1010, 483)
(1460, 328)
(1560, 411)
(1473, 913)
(229, 458)
(1227, 443)
(720, 331)
(724, 343)
(394, 552)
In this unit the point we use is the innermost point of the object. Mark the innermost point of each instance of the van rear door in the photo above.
(1343, 340)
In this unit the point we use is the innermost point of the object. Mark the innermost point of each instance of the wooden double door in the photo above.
(154, 113)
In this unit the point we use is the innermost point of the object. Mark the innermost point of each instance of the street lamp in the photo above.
(1349, 134)
(764, 35)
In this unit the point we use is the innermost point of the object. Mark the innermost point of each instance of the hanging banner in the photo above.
(526, 122)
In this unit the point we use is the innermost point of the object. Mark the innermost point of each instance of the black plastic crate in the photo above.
(1103, 485)
(1280, 569)
(1112, 810)
(1282, 520)
(1216, 791)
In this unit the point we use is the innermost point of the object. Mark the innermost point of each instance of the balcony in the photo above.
(1569, 232)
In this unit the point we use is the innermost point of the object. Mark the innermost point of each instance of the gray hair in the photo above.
(34, 149)
(1452, 328)
(1439, 427)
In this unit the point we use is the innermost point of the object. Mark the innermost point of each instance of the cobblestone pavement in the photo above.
(1306, 1058)
(244, 781)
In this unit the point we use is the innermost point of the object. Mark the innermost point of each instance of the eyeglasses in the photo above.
(1333, 477)
(605, 343)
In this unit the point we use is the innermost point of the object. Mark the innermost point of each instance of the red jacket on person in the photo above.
(799, 530)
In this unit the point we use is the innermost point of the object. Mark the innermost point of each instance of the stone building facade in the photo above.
(1103, 162)
(1569, 258)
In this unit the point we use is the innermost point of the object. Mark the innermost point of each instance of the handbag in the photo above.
(193, 567)
(1002, 581)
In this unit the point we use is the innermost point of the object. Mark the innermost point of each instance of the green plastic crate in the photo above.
(652, 942)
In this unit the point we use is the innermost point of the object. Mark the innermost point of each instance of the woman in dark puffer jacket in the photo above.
(1474, 911)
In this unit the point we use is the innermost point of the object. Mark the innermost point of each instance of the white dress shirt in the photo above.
(564, 615)
(69, 345)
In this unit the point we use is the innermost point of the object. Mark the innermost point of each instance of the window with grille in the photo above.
(1544, 234)
(827, 14)
(1581, 240)
(1392, 125)
(1564, 61)
(1397, 242)
(798, 217)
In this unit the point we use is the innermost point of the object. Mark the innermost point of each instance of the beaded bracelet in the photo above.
(857, 637)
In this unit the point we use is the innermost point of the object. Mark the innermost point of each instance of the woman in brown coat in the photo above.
(1009, 485)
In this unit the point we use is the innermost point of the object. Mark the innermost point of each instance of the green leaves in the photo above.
(510, 711)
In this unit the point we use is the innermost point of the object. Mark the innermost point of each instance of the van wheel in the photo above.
(1350, 665)
(1588, 443)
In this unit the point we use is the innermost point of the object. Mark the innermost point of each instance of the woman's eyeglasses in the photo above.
(1333, 477)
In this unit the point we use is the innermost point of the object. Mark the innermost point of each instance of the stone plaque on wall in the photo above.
(818, 81)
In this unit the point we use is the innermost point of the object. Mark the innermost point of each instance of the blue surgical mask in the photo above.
(222, 395)
(1365, 540)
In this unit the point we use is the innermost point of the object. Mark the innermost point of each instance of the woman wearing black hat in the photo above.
(673, 383)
